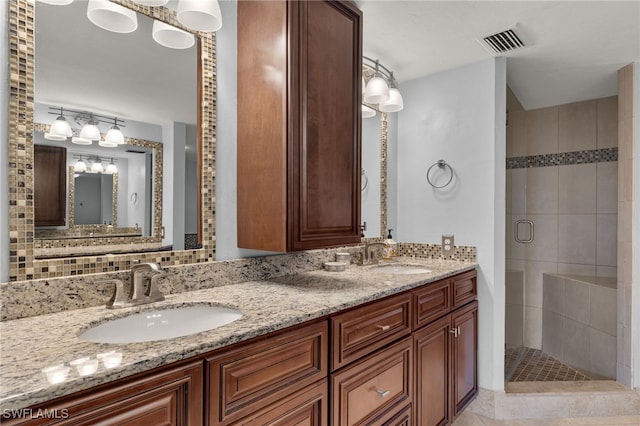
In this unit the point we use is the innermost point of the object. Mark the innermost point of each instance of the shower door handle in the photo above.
(516, 231)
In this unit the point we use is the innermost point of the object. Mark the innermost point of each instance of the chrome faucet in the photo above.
(369, 253)
(137, 294)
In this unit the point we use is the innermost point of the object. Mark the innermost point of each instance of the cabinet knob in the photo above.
(455, 331)
(384, 327)
(382, 393)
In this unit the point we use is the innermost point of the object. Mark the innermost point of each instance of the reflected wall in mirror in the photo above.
(372, 144)
(28, 65)
(93, 199)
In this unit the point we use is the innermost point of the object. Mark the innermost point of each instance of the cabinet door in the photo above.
(433, 366)
(50, 185)
(464, 351)
(166, 398)
(366, 390)
(253, 376)
(306, 407)
(325, 125)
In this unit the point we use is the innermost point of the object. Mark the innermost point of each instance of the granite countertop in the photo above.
(30, 344)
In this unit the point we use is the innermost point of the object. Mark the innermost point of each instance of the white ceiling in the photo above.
(574, 48)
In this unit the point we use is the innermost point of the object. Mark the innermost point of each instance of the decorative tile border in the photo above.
(564, 158)
(383, 173)
(22, 264)
(434, 251)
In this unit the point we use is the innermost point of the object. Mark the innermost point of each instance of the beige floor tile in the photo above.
(471, 419)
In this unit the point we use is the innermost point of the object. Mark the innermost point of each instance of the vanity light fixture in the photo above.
(169, 36)
(80, 165)
(96, 167)
(81, 141)
(90, 130)
(111, 168)
(60, 130)
(57, 2)
(200, 15)
(382, 88)
(112, 17)
(368, 112)
(114, 135)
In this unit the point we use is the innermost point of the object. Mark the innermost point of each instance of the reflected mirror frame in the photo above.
(71, 200)
(22, 265)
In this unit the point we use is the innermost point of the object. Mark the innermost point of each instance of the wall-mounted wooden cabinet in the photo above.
(299, 91)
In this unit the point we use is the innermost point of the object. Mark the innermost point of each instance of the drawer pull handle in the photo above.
(382, 393)
(384, 327)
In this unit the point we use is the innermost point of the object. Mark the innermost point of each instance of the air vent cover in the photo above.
(504, 41)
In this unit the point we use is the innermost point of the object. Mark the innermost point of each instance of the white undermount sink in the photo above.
(161, 324)
(401, 269)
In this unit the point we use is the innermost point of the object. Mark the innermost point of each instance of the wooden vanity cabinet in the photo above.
(163, 397)
(267, 379)
(298, 161)
(445, 349)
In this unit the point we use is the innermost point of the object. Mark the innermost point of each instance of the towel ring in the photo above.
(441, 164)
(365, 180)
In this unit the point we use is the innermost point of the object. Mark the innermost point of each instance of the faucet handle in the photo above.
(153, 293)
(118, 298)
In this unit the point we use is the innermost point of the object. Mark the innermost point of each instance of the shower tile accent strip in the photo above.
(564, 158)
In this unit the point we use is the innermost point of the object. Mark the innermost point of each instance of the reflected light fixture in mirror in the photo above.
(80, 165)
(368, 112)
(112, 17)
(57, 2)
(169, 36)
(200, 15)
(382, 88)
(60, 129)
(154, 3)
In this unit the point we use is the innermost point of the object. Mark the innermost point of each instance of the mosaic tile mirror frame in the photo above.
(22, 262)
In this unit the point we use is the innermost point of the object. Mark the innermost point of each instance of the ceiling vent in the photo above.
(503, 42)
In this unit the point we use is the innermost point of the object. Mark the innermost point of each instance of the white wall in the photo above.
(4, 146)
(459, 116)
(371, 165)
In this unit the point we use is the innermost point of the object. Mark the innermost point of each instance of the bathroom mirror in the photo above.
(93, 199)
(24, 62)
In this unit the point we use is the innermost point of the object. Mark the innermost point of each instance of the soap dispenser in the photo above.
(390, 250)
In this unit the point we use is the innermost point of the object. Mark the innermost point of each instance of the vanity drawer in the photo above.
(244, 380)
(366, 391)
(361, 331)
(431, 302)
(464, 288)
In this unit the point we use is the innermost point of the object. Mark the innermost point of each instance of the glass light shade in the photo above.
(200, 15)
(363, 85)
(80, 166)
(90, 131)
(97, 167)
(60, 127)
(394, 104)
(171, 37)
(114, 136)
(111, 169)
(151, 2)
(52, 137)
(368, 112)
(112, 17)
(57, 2)
(81, 141)
(376, 91)
(106, 144)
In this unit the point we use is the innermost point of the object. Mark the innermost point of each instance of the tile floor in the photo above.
(533, 365)
(470, 419)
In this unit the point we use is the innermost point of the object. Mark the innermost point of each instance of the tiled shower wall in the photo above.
(561, 175)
